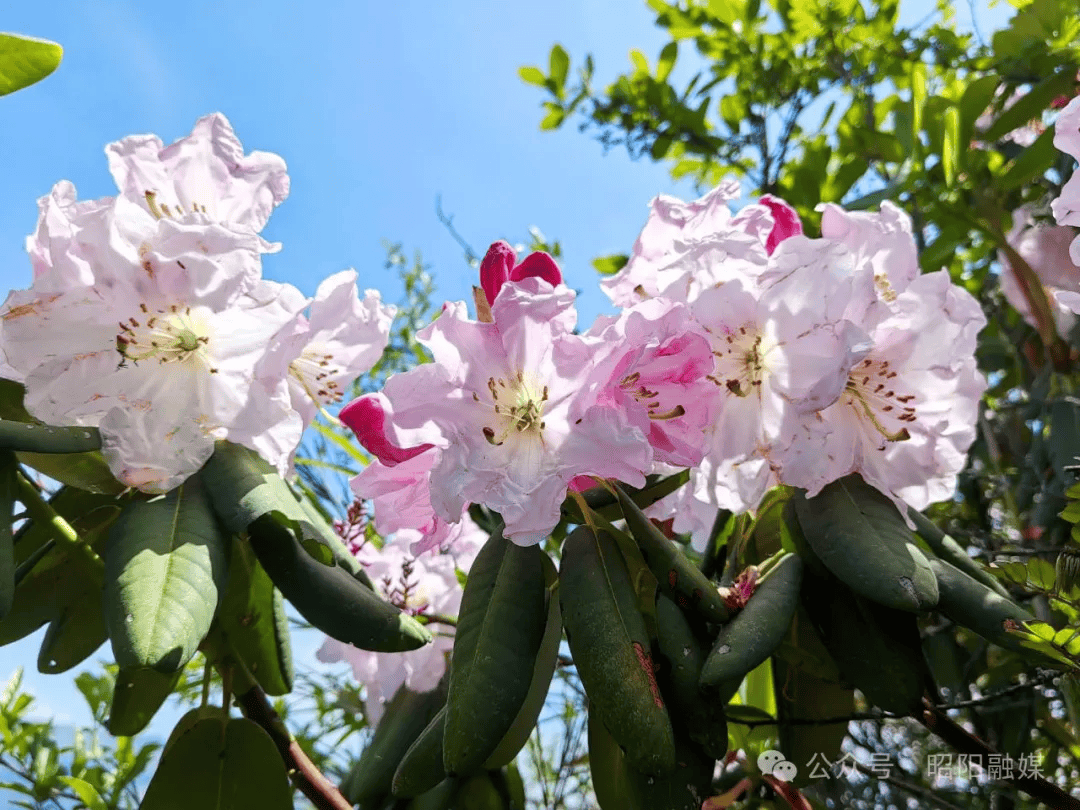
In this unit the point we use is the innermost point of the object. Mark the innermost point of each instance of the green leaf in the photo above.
(47, 438)
(8, 487)
(532, 75)
(678, 577)
(918, 99)
(976, 98)
(25, 60)
(75, 634)
(408, 713)
(330, 597)
(85, 791)
(558, 67)
(500, 627)
(544, 667)
(1030, 163)
(554, 117)
(863, 540)
(952, 149)
(166, 565)
(610, 265)
(252, 617)
(611, 649)
(666, 62)
(1031, 105)
(243, 487)
(218, 765)
(137, 695)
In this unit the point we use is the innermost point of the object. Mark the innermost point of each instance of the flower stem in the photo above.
(41, 511)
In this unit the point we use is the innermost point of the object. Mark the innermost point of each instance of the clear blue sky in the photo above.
(376, 107)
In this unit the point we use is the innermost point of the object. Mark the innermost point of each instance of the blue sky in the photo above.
(376, 107)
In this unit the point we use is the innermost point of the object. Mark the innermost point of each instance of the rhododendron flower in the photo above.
(204, 177)
(512, 411)
(777, 357)
(1066, 208)
(510, 402)
(831, 356)
(654, 372)
(1046, 250)
(316, 357)
(908, 412)
(421, 586)
(147, 316)
(687, 247)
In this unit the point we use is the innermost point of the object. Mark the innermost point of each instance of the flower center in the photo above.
(740, 360)
(315, 371)
(519, 407)
(168, 335)
(160, 210)
(649, 398)
(871, 391)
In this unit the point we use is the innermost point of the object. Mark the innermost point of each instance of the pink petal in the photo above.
(785, 222)
(367, 419)
(537, 265)
(495, 268)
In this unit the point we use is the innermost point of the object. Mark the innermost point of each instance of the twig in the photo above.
(915, 790)
(961, 740)
(448, 220)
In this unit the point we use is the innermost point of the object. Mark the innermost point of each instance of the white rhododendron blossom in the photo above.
(149, 319)
(422, 586)
(1046, 249)
(317, 356)
(685, 248)
(1066, 208)
(831, 356)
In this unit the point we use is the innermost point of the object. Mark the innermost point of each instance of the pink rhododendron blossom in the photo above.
(777, 356)
(1046, 249)
(1066, 208)
(148, 322)
(655, 372)
(426, 585)
(511, 403)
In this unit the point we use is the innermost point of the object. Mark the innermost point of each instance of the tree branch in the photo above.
(961, 740)
(309, 779)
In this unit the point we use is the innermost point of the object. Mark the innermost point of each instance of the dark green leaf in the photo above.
(218, 765)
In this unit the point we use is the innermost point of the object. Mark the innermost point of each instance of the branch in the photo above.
(919, 792)
(309, 779)
(961, 740)
(448, 220)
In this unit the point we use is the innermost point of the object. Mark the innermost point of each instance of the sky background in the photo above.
(377, 108)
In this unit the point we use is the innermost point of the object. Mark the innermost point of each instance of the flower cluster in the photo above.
(424, 586)
(516, 405)
(832, 355)
(148, 316)
(744, 350)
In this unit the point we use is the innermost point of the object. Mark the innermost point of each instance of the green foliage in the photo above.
(25, 60)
